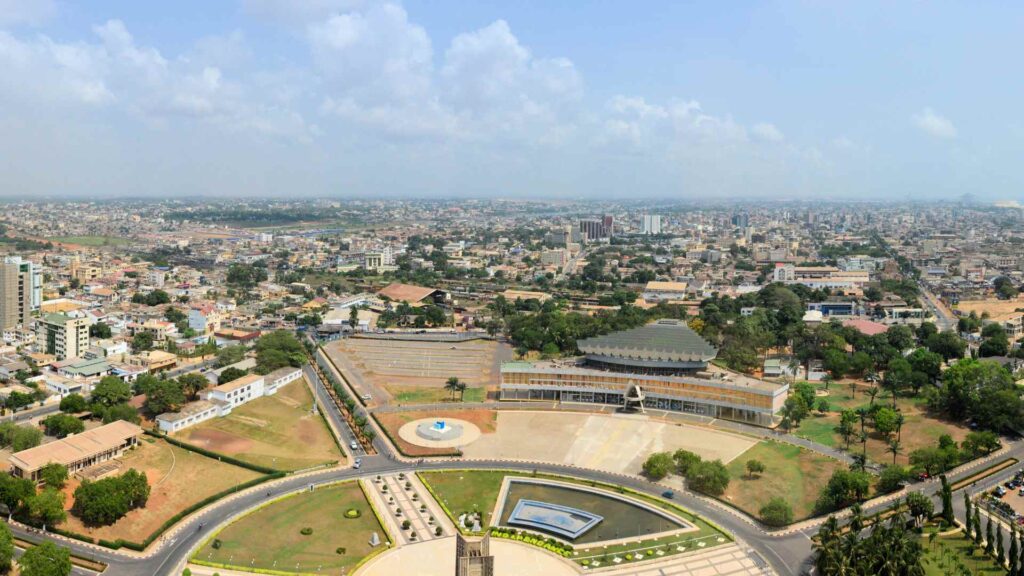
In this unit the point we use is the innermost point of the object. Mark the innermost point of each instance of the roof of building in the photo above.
(866, 327)
(77, 447)
(88, 367)
(238, 383)
(405, 292)
(663, 340)
(659, 286)
(281, 373)
(190, 409)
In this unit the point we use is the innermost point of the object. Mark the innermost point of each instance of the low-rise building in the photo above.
(62, 335)
(78, 452)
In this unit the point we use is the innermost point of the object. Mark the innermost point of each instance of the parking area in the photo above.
(1007, 499)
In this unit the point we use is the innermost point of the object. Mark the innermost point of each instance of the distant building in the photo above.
(21, 292)
(597, 228)
(63, 336)
(657, 291)
(651, 224)
(204, 319)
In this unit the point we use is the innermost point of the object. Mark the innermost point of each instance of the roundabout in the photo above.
(439, 433)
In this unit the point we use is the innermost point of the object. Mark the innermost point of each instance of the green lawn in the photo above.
(943, 556)
(92, 240)
(792, 473)
(820, 429)
(466, 491)
(270, 538)
(410, 395)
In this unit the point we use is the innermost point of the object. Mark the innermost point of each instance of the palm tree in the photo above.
(894, 447)
(872, 392)
(462, 391)
(853, 389)
(900, 420)
(452, 386)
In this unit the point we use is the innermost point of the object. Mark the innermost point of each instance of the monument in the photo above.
(473, 558)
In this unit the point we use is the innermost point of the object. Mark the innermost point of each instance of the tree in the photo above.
(891, 479)
(658, 465)
(927, 362)
(968, 520)
(861, 363)
(121, 412)
(73, 404)
(229, 355)
(166, 396)
(794, 409)
(977, 527)
(6, 548)
(900, 337)
(836, 362)
(947, 502)
(47, 507)
(754, 467)
(192, 384)
(709, 477)
(885, 422)
(894, 447)
(920, 507)
(889, 548)
(684, 460)
(54, 475)
(946, 344)
(983, 392)
(62, 425)
(278, 349)
(142, 341)
(100, 331)
(230, 375)
(822, 406)
(981, 443)
(776, 512)
(847, 426)
(844, 488)
(990, 544)
(104, 501)
(1014, 551)
(15, 492)
(452, 386)
(111, 390)
(45, 559)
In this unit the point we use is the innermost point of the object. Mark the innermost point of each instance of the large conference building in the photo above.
(665, 363)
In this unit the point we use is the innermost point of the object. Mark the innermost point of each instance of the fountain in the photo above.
(439, 430)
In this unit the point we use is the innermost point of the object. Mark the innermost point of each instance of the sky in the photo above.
(534, 99)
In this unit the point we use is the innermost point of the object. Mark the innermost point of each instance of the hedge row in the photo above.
(214, 455)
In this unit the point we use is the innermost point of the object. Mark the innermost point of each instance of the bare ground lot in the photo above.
(415, 372)
(485, 420)
(613, 443)
(177, 478)
(277, 431)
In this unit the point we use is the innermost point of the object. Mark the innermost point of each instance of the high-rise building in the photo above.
(597, 228)
(651, 224)
(21, 292)
(63, 336)
(741, 220)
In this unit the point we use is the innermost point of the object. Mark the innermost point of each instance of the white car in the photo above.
(358, 463)
(354, 445)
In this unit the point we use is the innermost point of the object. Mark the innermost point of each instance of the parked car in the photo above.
(668, 494)
(1000, 491)
(353, 445)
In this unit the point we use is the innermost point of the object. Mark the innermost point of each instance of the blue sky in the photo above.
(437, 98)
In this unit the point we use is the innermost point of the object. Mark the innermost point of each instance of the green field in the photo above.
(791, 472)
(276, 431)
(270, 538)
(410, 395)
(947, 553)
(92, 240)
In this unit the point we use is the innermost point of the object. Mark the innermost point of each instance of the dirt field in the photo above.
(177, 478)
(993, 306)
(415, 372)
(276, 431)
(617, 444)
(485, 420)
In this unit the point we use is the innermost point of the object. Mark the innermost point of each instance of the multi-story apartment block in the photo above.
(20, 292)
(63, 336)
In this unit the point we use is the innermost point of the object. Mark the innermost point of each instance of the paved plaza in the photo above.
(612, 443)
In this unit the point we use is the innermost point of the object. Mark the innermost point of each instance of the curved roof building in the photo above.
(664, 346)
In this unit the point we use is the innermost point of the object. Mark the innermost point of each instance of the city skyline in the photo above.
(362, 99)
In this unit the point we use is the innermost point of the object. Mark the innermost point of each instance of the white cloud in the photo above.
(934, 124)
(31, 12)
(298, 12)
(766, 132)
